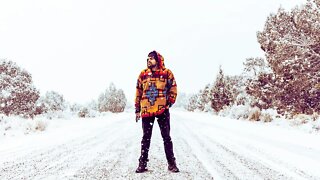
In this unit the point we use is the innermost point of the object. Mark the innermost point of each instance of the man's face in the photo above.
(151, 62)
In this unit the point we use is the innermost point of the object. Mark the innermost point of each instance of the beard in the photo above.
(150, 66)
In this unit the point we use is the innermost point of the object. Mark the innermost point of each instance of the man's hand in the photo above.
(138, 116)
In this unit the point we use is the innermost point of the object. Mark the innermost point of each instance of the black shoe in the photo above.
(173, 167)
(142, 167)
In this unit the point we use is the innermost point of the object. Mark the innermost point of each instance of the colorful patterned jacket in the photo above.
(155, 91)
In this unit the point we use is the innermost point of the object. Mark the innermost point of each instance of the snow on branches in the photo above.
(18, 94)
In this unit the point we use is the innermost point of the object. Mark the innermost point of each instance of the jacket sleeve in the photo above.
(172, 85)
(139, 91)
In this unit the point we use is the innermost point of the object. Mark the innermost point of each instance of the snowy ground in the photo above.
(205, 147)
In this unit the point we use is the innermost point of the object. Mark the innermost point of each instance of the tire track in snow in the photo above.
(204, 154)
(242, 166)
(187, 159)
(46, 163)
(249, 151)
(123, 162)
(255, 166)
(269, 159)
(233, 139)
(281, 163)
(106, 163)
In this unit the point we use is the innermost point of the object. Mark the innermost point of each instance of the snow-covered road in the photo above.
(205, 146)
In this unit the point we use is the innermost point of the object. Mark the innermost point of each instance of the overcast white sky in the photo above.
(77, 47)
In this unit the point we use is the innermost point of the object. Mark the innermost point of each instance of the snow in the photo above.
(5, 93)
(206, 146)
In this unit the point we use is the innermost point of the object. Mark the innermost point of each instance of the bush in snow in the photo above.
(18, 95)
(254, 114)
(315, 116)
(291, 42)
(15, 125)
(316, 126)
(236, 111)
(265, 117)
(87, 112)
(33, 125)
(112, 100)
(84, 112)
(268, 115)
(40, 125)
(300, 119)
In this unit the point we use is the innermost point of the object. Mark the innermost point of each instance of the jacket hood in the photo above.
(160, 60)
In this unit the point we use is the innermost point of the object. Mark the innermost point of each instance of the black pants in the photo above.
(164, 124)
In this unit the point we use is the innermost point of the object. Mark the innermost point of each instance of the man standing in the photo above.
(156, 92)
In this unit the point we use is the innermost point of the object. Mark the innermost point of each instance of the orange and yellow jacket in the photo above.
(155, 91)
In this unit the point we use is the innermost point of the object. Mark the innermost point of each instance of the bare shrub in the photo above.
(265, 117)
(315, 116)
(300, 119)
(254, 114)
(40, 125)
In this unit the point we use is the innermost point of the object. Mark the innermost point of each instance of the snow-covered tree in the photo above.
(259, 84)
(204, 98)
(51, 102)
(291, 41)
(265, 90)
(93, 105)
(119, 102)
(75, 107)
(221, 92)
(112, 100)
(193, 101)
(18, 95)
(254, 66)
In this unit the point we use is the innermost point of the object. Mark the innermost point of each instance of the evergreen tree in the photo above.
(255, 66)
(221, 93)
(259, 83)
(52, 102)
(18, 95)
(204, 98)
(112, 100)
(291, 41)
(193, 100)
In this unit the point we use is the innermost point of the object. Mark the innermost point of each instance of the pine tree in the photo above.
(204, 98)
(255, 66)
(18, 95)
(221, 93)
(193, 100)
(291, 41)
(259, 83)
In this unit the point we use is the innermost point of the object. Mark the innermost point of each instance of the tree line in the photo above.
(19, 96)
(287, 79)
